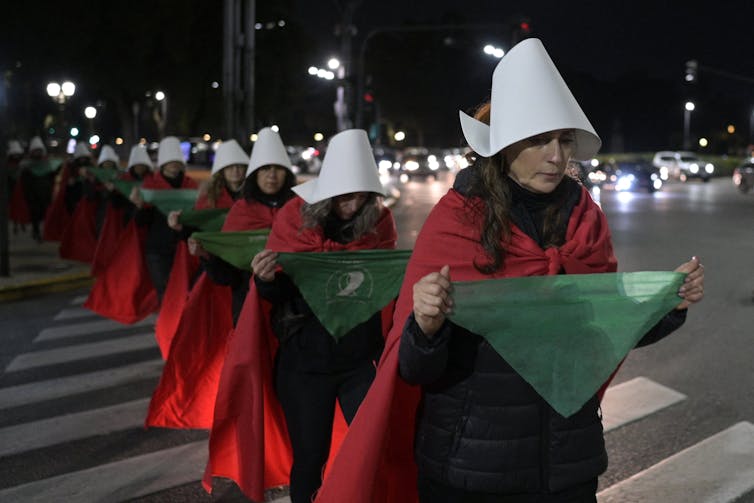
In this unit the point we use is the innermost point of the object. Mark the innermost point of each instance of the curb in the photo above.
(48, 285)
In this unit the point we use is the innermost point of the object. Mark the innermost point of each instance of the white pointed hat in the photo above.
(529, 97)
(108, 154)
(169, 150)
(268, 149)
(348, 166)
(36, 143)
(227, 154)
(139, 155)
(14, 148)
(81, 150)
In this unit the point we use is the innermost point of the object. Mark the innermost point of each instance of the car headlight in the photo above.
(657, 184)
(694, 168)
(625, 182)
(411, 165)
(709, 168)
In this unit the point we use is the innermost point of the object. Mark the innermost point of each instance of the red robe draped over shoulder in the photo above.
(249, 439)
(376, 460)
(57, 216)
(185, 396)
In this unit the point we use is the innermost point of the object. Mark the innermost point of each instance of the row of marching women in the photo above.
(322, 359)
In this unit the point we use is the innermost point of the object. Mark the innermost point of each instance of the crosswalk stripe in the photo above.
(74, 312)
(78, 352)
(118, 481)
(90, 327)
(717, 469)
(46, 432)
(15, 396)
(634, 399)
(77, 301)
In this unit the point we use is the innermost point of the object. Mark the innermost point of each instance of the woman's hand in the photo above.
(110, 186)
(264, 264)
(692, 290)
(432, 300)
(196, 249)
(173, 220)
(136, 197)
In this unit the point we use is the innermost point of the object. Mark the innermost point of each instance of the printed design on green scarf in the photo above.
(236, 248)
(345, 289)
(168, 200)
(565, 334)
(208, 219)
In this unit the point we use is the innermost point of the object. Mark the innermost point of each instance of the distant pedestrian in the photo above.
(37, 177)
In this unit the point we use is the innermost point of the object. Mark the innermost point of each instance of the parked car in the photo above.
(682, 165)
(743, 176)
(637, 174)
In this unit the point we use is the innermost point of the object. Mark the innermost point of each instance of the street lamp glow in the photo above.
(498, 53)
(206, 137)
(90, 112)
(68, 88)
(690, 106)
(333, 64)
(74, 131)
(399, 136)
(703, 142)
(253, 137)
(94, 139)
(313, 70)
(119, 141)
(329, 75)
(159, 96)
(731, 129)
(275, 128)
(319, 137)
(53, 89)
(489, 49)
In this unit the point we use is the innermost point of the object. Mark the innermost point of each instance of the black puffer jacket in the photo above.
(480, 426)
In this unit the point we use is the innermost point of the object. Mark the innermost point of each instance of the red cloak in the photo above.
(18, 207)
(79, 239)
(376, 461)
(249, 439)
(57, 216)
(123, 291)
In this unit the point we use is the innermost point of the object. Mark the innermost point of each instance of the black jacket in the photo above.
(483, 428)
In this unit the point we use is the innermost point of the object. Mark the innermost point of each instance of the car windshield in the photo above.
(690, 158)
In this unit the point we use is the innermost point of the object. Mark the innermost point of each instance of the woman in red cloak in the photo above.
(448, 419)
(282, 433)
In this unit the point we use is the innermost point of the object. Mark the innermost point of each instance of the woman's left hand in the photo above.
(173, 220)
(692, 290)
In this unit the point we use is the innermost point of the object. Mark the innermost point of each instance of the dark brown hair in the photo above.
(492, 188)
(314, 215)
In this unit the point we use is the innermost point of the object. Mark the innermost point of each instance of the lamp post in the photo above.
(60, 93)
(687, 109)
(162, 99)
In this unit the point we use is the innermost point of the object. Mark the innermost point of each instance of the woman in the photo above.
(161, 239)
(340, 210)
(482, 433)
(37, 175)
(267, 186)
(186, 394)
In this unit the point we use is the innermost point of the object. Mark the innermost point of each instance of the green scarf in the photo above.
(103, 175)
(125, 186)
(236, 248)
(346, 288)
(209, 219)
(565, 334)
(168, 200)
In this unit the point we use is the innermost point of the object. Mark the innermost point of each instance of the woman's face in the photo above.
(171, 169)
(107, 165)
(140, 169)
(538, 163)
(270, 179)
(234, 174)
(347, 205)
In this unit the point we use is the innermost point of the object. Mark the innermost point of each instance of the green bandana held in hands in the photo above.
(236, 248)
(170, 200)
(207, 220)
(346, 288)
(565, 334)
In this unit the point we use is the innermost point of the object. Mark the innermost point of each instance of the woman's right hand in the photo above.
(136, 197)
(196, 249)
(264, 264)
(432, 300)
(173, 220)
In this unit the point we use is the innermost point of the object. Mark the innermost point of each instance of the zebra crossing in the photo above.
(719, 468)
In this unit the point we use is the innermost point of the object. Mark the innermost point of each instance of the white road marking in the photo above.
(79, 352)
(634, 399)
(718, 469)
(24, 394)
(55, 430)
(118, 481)
(91, 327)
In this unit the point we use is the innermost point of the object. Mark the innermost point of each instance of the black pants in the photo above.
(159, 266)
(433, 492)
(308, 402)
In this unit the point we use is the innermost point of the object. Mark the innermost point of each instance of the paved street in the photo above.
(679, 417)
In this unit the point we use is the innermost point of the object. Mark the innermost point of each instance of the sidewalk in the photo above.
(36, 268)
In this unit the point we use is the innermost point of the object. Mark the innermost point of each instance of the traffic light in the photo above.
(692, 66)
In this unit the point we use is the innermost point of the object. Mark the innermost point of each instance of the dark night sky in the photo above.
(624, 61)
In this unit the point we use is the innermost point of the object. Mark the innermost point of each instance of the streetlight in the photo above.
(60, 93)
(162, 99)
(491, 50)
(340, 107)
(687, 109)
(399, 136)
(90, 112)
